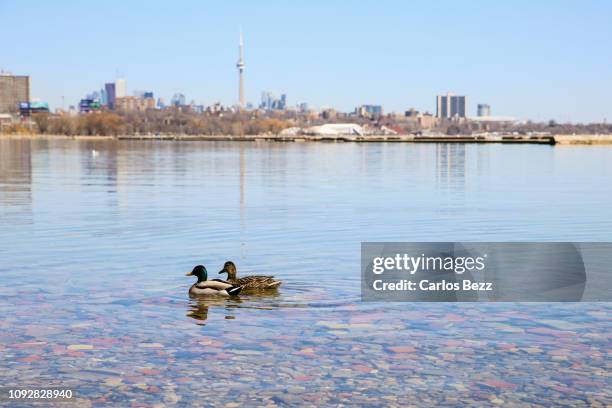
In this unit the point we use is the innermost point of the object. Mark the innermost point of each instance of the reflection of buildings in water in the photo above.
(15, 175)
(242, 170)
(450, 163)
(242, 187)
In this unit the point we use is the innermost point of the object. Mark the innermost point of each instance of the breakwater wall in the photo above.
(503, 139)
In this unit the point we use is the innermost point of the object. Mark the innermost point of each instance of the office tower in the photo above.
(266, 100)
(14, 90)
(178, 99)
(270, 102)
(240, 66)
(120, 88)
(111, 95)
(484, 109)
(451, 106)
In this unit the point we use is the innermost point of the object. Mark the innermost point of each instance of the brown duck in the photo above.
(253, 282)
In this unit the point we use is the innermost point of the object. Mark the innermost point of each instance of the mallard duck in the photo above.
(254, 282)
(211, 287)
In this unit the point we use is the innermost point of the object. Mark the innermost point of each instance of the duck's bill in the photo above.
(222, 271)
(189, 274)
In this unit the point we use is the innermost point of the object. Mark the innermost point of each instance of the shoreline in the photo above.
(479, 139)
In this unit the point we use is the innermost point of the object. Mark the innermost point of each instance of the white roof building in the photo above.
(336, 129)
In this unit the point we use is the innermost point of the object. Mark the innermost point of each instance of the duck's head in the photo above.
(200, 272)
(230, 269)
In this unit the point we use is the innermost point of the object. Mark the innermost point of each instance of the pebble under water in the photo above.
(94, 248)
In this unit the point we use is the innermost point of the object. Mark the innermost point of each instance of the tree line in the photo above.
(154, 122)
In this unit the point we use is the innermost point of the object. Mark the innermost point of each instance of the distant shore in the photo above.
(503, 139)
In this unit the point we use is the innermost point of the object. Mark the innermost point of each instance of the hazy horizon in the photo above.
(539, 61)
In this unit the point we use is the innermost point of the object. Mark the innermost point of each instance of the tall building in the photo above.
(484, 110)
(111, 95)
(270, 102)
(266, 100)
(240, 66)
(451, 106)
(14, 90)
(178, 99)
(120, 88)
(369, 111)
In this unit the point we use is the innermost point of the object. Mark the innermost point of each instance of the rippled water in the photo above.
(96, 237)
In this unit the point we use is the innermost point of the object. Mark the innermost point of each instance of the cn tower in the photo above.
(240, 66)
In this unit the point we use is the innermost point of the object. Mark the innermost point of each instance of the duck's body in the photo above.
(253, 282)
(215, 287)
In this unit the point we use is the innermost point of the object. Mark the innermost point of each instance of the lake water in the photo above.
(96, 237)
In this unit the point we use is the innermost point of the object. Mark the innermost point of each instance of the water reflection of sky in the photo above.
(97, 235)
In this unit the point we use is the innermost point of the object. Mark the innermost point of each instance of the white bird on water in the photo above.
(94, 153)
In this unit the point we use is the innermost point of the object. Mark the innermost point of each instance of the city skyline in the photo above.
(378, 57)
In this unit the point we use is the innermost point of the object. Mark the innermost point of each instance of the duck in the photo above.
(216, 287)
(253, 282)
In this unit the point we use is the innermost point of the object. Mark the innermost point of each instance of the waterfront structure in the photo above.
(240, 66)
(335, 129)
(451, 106)
(14, 90)
(111, 95)
(484, 110)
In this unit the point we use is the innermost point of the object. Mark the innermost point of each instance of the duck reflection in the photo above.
(201, 308)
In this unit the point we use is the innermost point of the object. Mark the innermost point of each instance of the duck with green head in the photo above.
(215, 287)
(253, 282)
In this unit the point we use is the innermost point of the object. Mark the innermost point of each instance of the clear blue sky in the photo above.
(527, 59)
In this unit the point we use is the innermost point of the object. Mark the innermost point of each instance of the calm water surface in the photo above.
(96, 236)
